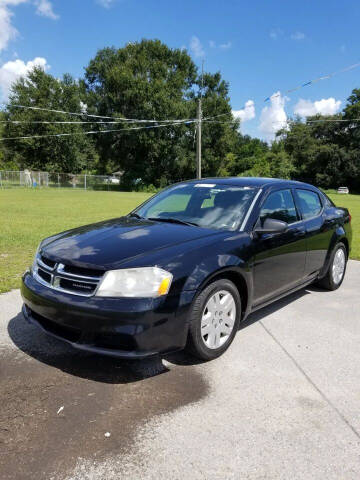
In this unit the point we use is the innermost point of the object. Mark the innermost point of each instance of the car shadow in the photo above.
(100, 368)
(48, 350)
(279, 304)
(182, 358)
(273, 307)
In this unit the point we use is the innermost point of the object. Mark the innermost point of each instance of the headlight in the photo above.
(135, 282)
(34, 264)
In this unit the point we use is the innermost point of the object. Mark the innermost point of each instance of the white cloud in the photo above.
(13, 70)
(222, 46)
(326, 106)
(273, 117)
(297, 36)
(247, 113)
(275, 33)
(7, 31)
(83, 107)
(225, 46)
(105, 3)
(45, 8)
(196, 47)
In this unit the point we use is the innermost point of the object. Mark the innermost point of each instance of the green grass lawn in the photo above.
(28, 215)
(352, 202)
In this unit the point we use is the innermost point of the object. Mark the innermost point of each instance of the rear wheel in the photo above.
(215, 319)
(337, 267)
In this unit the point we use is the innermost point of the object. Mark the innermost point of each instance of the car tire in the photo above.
(214, 320)
(337, 268)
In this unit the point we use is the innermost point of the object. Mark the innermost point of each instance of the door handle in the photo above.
(299, 231)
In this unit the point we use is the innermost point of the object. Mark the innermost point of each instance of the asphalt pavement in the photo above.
(282, 403)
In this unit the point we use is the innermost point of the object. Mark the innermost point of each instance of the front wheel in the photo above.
(214, 320)
(337, 267)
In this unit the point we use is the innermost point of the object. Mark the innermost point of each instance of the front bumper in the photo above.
(120, 327)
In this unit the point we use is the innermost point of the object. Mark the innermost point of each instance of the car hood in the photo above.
(106, 245)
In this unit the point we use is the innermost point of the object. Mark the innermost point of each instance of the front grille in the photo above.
(77, 286)
(66, 278)
(44, 275)
(47, 262)
(83, 271)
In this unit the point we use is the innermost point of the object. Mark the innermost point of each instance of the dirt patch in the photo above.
(98, 394)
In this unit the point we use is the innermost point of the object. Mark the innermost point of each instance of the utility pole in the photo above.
(198, 140)
(198, 124)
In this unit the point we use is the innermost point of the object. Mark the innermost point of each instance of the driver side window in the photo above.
(279, 206)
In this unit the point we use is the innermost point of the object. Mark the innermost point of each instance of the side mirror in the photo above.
(271, 225)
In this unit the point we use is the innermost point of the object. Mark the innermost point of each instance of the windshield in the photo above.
(206, 205)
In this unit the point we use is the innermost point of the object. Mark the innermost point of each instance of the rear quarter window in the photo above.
(309, 202)
(328, 202)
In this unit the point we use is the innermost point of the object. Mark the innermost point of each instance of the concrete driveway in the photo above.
(282, 403)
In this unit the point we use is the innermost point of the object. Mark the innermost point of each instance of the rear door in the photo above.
(279, 260)
(318, 229)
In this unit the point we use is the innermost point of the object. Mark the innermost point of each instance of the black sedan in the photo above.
(186, 267)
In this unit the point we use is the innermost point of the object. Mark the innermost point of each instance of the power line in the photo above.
(93, 132)
(50, 122)
(332, 120)
(220, 115)
(320, 120)
(83, 114)
(220, 121)
(315, 80)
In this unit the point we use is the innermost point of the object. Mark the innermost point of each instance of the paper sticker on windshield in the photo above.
(206, 185)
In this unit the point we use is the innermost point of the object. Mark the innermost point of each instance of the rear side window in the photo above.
(310, 204)
(280, 206)
(328, 202)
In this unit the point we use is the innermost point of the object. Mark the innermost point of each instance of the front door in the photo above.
(279, 261)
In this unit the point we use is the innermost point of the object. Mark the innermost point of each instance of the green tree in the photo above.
(325, 151)
(75, 153)
(219, 136)
(149, 80)
(2, 164)
(145, 80)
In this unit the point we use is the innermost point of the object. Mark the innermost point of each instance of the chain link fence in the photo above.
(32, 179)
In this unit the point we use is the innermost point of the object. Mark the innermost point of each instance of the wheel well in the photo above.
(346, 243)
(238, 281)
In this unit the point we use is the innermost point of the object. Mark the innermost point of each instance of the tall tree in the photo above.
(324, 150)
(149, 80)
(75, 153)
(219, 135)
(145, 80)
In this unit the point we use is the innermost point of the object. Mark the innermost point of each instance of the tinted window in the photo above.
(207, 205)
(310, 204)
(280, 206)
(328, 201)
(170, 204)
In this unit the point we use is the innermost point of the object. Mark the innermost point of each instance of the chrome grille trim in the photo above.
(43, 265)
(57, 273)
(60, 269)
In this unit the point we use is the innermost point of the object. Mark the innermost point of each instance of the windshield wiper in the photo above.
(135, 215)
(173, 220)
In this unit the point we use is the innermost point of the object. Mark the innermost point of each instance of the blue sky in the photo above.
(260, 47)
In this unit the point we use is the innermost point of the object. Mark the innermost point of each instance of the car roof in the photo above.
(256, 182)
